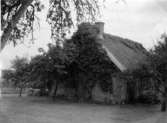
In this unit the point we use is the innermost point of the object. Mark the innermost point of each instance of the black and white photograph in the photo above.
(83, 61)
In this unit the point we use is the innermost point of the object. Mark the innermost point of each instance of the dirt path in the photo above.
(40, 110)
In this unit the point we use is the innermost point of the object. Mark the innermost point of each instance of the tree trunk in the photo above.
(20, 92)
(90, 94)
(7, 31)
(42, 91)
(80, 93)
(163, 104)
(163, 100)
(54, 90)
(81, 87)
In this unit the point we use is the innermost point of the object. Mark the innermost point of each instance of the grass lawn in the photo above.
(42, 110)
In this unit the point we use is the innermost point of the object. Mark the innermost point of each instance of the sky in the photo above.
(140, 20)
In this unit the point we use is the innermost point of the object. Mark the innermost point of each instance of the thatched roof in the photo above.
(124, 53)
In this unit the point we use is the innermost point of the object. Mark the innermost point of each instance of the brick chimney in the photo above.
(100, 26)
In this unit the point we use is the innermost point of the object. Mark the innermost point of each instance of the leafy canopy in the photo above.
(18, 16)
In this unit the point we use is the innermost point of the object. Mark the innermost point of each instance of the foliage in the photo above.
(24, 25)
(91, 62)
(159, 58)
(20, 74)
(151, 76)
(79, 63)
(7, 78)
(48, 69)
(18, 16)
(159, 63)
(60, 14)
(141, 82)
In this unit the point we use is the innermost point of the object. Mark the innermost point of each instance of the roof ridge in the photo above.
(128, 42)
(126, 51)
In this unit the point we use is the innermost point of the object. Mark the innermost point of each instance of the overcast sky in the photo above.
(140, 20)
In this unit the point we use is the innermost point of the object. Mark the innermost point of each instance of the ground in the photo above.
(41, 110)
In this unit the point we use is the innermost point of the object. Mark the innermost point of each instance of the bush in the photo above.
(148, 97)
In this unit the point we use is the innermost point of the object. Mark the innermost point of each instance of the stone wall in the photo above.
(119, 90)
(100, 96)
(119, 94)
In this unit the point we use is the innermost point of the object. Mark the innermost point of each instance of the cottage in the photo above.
(126, 55)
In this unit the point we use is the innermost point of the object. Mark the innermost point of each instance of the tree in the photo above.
(17, 16)
(19, 77)
(7, 78)
(153, 73)
(78, 63)
(159, 63)
(49, 68)
(37, 71)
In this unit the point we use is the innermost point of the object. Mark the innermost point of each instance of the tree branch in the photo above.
(7, 32)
